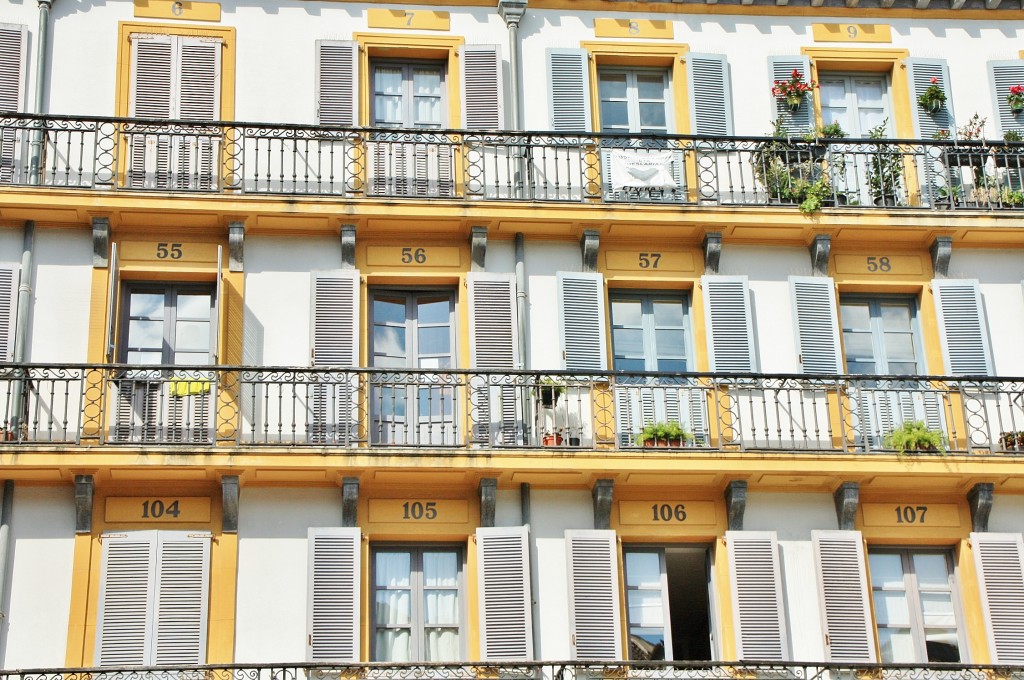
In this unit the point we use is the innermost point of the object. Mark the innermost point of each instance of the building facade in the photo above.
(340, 332)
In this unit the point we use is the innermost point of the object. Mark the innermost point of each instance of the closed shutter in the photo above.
(482, 87)
(758, 610)
(710, 94)
(581, 321)
(730, 329)
(12, 87)
(781, 68)
(1002, 76)
(152, 97)
(335, 332)
(198, 99)
(1000, 564)
(182, 594)
(336, 82)
(594, 616)
(962, 327)
(919, 76)
(842, 586)
(568, 89)
(506, 619)
(817, 324)
(493, 346)
(9, 281)
(333, 599)
(126, 605)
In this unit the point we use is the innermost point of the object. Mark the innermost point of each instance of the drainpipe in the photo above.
(21, 323)
(512, 12)
(6, 510)
(42, 43)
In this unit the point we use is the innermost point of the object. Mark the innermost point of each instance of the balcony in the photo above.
(132, 155)
(377, 410)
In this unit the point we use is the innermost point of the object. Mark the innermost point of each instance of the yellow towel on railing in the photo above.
(182, 387)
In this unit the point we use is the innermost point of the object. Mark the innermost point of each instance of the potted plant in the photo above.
(1016, 99)
(885, 169)
(669, 434)
(949, 196)
(933, 98)
(549, 391)
(1011, 198)
(814, 196)
(1009, 440)
(914, 435)
(816, 146)
(794, 90)
(973, 154)
(780, 162)
(552, 437)
(1010, 154)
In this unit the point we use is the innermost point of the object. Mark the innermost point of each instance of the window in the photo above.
(667, 610)
(857, 102)
(634, 100)
(417, 604)
(168, 324)
(915, 610)
(412, 329)
(408, 95)
(650, 332)
(12, 66)
(880, 336)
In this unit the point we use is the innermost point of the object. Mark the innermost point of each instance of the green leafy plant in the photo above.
(1016, 98)
(885, 168)
(793, 90)
(1012, 197)
(914, 435)
(932, 98)
(664, 434)
(830, 131)
(1012, 136)
(813, 195)
(950, 194)
(974, 128)
(549, 391)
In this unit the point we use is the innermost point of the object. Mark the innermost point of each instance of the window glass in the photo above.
(634, 100)
(650, 332)
(167, 325)
(880, 336)
(408, 95)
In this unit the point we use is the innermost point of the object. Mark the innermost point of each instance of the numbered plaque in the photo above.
(421, 19)
(649, 261)
(863, 33)
(911, 514)
(157, 509)
(418, 511)
(414, 256)
(167, 253)
(879, 264)
(664, 513)
(633, 28)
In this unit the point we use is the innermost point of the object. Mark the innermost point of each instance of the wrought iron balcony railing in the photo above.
(125, 155)
(551, 670)
(368, 409)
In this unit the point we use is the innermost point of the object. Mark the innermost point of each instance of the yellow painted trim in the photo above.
(723, 591)
(472, 580)
(78, 621)
(404, 46)
(183, 10)
(634, 28)
(122, 104)
(885, 60)
(860, 33)
(632, 54)
(366, 616)
(408, 19)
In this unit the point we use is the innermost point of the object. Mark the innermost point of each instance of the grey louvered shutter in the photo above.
(999, 559)
(335, 332)
(581, 321)
(758, 611)
(182, 598)
(337, 82)
(127, 577)
(919, 76)
(843, 588)
(506, 613)
(594, 616)
(9, 281)
(962, 327)
(493, 346)
(568, 89)
(333, 595)
(1002, 76)
(12, 87)
(817, 324)
(781, 68)
(482, 88)
(152, 96)
(113, 297)
(198, 99)
(710, 92)
(730, 328)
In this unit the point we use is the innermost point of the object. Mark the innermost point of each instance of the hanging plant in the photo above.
(1016, 98)
(794, 90)
(933, 98)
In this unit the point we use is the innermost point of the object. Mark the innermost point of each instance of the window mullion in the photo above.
(170, 319)
(914, 606)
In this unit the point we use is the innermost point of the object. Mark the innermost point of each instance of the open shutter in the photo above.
(127, 577)
(781, 68)
(581, 321)
(494, 346)
(919, 76)
(335, 332)
(333, 599)
(113, 288)
(758, 611)
(182, 596)
(12, 87)
(1002, 76)
(568, 89)
(9, 281)
(336, 82)
(710, 94)
(843, 588)
(730, 329)
(1000, 564)
(594, 617)
(215, 313)
(482, 87)
(817, 324)
(152, 96)
(962, 327)
(506, 619)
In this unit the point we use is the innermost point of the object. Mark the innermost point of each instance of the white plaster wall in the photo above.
(35, 633)
(551, 513)
(273, 526)
(769, 269)
(1007, 514)
(793, 516)
(62, 289)
(508, 509)
(999, 274)
(543, 260)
